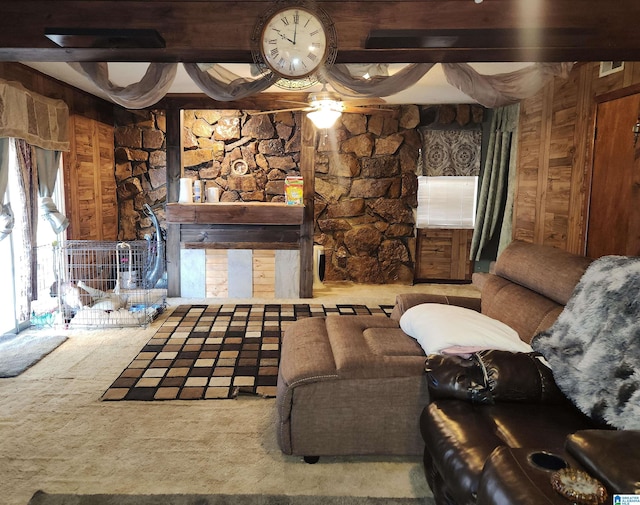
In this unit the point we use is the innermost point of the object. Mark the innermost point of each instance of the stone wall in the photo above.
(366, 193)
(366, 187)
(212, 140)
(268, 143)
(141, 170)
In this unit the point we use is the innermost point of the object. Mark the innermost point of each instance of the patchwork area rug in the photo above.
(217, 351)
(41, 498)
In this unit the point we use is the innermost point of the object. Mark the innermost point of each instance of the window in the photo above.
(14, 309)
(447, 201)
(12, 261)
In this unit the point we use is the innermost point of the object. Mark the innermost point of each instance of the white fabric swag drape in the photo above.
(223, 85)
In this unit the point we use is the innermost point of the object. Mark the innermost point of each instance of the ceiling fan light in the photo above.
(324, 117)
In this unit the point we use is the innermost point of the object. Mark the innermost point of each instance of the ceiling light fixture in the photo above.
(324, 118)
(326, 109)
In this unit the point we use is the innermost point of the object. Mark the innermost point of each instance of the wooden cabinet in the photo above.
(443, 254)
(89, 181)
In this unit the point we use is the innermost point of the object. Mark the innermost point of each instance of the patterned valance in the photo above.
(39, 120)
(450, 152)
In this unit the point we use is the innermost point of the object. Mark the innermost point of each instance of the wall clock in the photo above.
(293, 41)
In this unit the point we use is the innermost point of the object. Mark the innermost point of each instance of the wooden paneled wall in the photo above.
(555, 155)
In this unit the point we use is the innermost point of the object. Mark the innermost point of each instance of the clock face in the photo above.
(294, 43)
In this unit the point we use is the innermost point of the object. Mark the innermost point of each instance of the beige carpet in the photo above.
(56, 435)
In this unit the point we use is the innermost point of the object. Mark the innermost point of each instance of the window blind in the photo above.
(447, 202)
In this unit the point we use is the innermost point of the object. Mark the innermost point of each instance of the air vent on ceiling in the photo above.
(610, 67)
(478, 38)
(105, 38)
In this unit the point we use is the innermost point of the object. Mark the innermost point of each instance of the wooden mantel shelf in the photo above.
(235, 213)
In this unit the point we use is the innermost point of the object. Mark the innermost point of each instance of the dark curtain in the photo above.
(495, 200)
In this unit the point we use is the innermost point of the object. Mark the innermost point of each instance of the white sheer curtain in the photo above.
(6, 215)
(221, 84)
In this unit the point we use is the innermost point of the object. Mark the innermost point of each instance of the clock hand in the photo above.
(283, 36)
(295, 31)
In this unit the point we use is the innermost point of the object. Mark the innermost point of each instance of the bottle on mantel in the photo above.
(197, 191)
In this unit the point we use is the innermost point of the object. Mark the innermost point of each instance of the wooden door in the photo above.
(614, 206)
(89, 181)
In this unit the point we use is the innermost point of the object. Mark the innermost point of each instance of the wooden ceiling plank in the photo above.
(220, 31)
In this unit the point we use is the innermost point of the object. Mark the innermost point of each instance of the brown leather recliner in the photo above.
(504, 453)
(516, 406)
(497, 426)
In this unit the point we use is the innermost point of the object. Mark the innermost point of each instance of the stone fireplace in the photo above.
(365, 188)
(365, 196)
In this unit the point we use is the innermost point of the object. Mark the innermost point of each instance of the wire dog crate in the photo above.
(108, 284)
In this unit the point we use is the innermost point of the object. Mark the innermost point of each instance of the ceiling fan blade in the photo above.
(364, 101)
(259, 113)
(368, 110)
(304, 104)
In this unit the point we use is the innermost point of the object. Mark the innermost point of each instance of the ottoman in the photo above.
(350, 385)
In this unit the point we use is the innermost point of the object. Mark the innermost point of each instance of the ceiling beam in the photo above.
(221, 31)
(260, 101)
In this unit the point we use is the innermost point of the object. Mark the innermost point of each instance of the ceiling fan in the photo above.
(325, 107)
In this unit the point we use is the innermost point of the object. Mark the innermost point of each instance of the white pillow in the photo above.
(437, 326)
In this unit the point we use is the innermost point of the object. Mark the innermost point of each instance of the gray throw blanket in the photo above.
(594, 346)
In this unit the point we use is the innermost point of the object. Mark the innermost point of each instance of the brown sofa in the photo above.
(352, 385)
(356, 385)
(497, 424)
